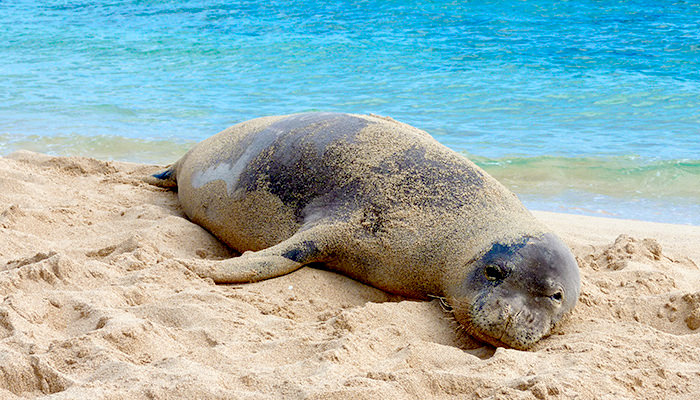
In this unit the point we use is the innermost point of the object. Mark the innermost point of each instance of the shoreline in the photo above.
(96, 305)
(626, 186)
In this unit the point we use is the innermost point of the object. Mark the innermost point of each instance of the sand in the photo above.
(95, 306)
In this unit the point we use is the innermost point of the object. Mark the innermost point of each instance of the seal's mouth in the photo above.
(501, 325)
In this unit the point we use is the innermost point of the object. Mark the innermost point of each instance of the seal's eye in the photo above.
(494, 272)
(556, 297)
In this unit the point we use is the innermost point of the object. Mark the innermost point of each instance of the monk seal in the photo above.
(381, 202)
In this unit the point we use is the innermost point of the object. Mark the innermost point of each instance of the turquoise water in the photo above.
(580, 106)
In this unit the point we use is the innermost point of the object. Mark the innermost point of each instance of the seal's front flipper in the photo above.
(252, 266)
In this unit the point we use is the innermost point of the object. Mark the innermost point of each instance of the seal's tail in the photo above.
(166, 179)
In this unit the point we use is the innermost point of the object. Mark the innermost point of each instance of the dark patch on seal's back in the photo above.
(373, 218)
(432, 179)
(295, 167)
(325, 127)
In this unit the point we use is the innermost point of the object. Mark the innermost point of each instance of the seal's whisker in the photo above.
(446, 307)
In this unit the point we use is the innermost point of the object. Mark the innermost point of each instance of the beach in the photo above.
(96, 305)
(587, 111)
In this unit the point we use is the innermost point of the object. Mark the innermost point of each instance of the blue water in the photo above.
(580, 106)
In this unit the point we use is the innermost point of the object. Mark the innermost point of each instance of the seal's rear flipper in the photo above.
(303, 248)
(165, 179)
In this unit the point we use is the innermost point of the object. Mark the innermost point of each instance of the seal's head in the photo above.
(514, 294)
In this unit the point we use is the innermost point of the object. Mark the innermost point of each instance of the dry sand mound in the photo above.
(95, 306)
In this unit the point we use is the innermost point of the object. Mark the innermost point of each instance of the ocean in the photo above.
(586, 107)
